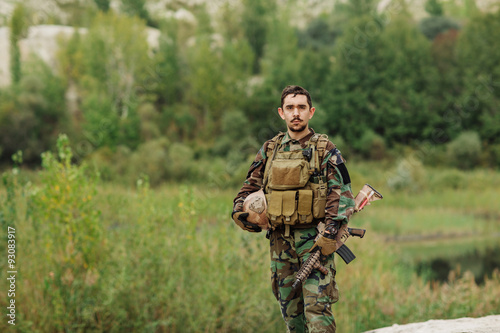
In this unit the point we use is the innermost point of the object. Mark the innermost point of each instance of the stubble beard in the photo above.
(297, 129)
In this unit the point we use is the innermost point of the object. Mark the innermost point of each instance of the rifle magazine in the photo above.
(346, 254)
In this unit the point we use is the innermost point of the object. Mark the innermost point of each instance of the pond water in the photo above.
(481, 263)
(434, 260)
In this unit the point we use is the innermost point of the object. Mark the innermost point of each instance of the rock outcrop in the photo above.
(489, 324)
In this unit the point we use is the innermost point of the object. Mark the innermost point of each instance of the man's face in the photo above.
(296, 112)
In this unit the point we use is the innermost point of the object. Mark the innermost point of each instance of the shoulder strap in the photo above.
(321, 146)
(270, 153)
(319, 141)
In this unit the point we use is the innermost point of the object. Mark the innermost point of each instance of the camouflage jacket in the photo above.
(340, 200)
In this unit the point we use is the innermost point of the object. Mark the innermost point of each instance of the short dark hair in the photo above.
(295, 90)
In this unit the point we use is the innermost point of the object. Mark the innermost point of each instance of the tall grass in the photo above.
(103, 258)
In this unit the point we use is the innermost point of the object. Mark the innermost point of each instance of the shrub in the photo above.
(494, 153)
(433, 26)
(465, 150)
(371, 145)
(69, 243)
(454, 179)
(180, 161)
(409, 174)
(151, 159)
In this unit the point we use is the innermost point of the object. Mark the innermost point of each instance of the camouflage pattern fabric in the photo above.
(306, 309)
(309, 309)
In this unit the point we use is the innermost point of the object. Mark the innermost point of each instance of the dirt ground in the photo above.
(489, 324)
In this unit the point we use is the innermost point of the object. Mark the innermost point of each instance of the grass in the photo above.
(170, 259)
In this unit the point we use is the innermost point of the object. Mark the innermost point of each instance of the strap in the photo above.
(272, 147)
(321, 146)
(318, 143)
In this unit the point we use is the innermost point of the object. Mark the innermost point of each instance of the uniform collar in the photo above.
(306, 138)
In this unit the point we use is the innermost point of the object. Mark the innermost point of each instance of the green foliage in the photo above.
(376, 81)
(373, 88)
(166, 80)
(62, 208)
(495, 155)
(255, 21)
(216, 80)
(151, 159)
(407, 175)
(103, 5)
(18, 29)
(137, 8)
(464, 151)
(371, 146)
(155, 242)
(435, 25)
(434, 8)
(32, 113)
(357, 8)
(101, 122)
(67, 238)
(476, 107)
(110, 66)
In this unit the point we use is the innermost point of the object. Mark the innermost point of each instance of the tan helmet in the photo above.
(256, 207)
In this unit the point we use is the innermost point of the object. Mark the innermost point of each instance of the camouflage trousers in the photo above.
(307, 309)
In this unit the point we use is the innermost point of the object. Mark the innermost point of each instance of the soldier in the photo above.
(305, 182)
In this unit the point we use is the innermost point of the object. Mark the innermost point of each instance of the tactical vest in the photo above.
(295, 188)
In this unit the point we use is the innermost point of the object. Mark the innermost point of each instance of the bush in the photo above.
(180, 161)
(494, 153)
(69, 241)
(454, 179)
(151, 159)
(371, 145)
(433, 26)
(465, 150)
(409, 175)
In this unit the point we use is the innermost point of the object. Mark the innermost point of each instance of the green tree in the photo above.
(116, 63)
(256, 19)
(217, 74)
(138, 8)
(166, 78)
(381, 81)
(280, 66)
(32, 113)
(18, 28)
(434, 8)
(102, 4)
(435, 25)
(478, 57)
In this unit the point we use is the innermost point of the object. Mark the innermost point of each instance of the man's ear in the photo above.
(281, 113)
(311, 112)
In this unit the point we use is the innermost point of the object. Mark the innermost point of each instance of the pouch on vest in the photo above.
(320, 191)
(289, 207)
(288, 171)
(304, 205)
(274, 207)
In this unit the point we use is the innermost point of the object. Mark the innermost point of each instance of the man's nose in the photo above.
(295, 111)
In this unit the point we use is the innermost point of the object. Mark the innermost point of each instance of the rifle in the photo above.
(313, 262)
(363, 198)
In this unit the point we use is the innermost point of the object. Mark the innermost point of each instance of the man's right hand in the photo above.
(240, 218)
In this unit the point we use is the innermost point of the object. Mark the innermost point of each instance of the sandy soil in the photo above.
(489, 324)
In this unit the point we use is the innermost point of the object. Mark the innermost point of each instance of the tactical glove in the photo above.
(240, 219)
(326, 243)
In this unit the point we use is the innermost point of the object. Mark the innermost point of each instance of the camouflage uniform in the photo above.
(307, 309)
